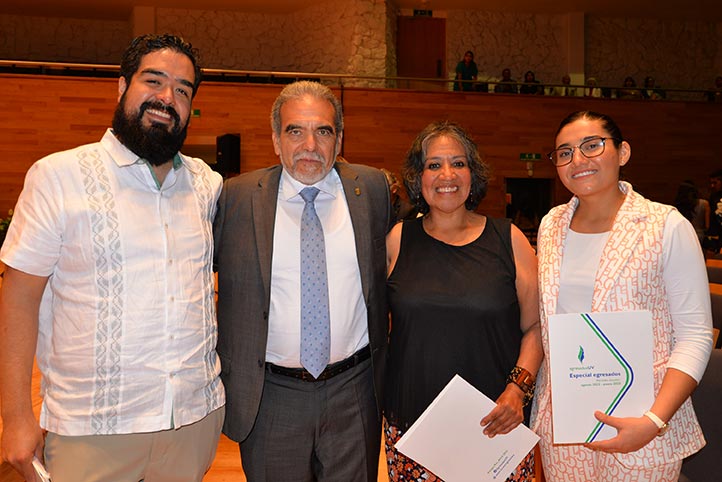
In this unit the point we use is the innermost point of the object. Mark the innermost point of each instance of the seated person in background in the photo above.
(591, 90)
(531, 85)
(713, 236)
(466, 71)
(564, 90)
(401, 207)
(715, 93)
(650, 91)
(692, 207)
(629, 89)
(506, 85)
(526, 217)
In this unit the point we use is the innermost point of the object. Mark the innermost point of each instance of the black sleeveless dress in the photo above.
(454, 310)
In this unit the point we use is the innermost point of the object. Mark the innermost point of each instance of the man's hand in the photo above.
(22, 439)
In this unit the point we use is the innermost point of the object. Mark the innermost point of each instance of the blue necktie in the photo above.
(315, 329)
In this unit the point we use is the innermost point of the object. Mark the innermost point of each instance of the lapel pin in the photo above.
(357, 191)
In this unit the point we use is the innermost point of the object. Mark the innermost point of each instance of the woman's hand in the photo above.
(633, 433)
(507, 414)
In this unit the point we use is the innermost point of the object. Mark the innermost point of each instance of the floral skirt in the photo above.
(402, 468)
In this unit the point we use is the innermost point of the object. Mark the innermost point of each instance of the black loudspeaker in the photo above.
(228, 155)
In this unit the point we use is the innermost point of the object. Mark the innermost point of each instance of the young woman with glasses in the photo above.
(610, 249)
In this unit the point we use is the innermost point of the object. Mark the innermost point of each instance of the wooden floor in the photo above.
(226, 466)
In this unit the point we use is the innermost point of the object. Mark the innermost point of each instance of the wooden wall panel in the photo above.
(671, 141)
(44, 115)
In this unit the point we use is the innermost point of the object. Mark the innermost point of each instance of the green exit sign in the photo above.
(423, 13)
(530, 156)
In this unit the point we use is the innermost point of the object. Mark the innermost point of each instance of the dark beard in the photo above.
(155, 144)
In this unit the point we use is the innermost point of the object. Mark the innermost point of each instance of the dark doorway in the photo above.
(421, 52)
(527, 201)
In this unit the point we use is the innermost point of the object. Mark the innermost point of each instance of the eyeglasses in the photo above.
(589, 148)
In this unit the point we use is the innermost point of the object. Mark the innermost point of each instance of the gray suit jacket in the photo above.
(243, 250)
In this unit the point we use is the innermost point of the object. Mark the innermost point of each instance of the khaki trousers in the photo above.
(183, 454)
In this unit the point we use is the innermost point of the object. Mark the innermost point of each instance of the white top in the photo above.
(579, 270)
(347, 307)
(127, 327)
(684, 278)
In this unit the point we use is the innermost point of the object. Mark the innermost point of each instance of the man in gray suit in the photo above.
(292, 422)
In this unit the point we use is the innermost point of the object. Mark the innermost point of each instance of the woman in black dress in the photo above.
(463, 294)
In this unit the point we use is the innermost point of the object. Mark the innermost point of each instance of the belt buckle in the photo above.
(307, 377)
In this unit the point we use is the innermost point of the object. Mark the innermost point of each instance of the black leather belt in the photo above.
(331, 370)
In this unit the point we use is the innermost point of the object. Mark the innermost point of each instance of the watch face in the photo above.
(663, 430)
(524, 380)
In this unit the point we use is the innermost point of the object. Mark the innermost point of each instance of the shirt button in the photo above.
(170, 261)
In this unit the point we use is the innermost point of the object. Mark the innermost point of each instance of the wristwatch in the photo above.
(661, 424)
(524, 380)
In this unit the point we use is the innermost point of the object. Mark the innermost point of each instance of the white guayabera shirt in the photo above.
(127, 327)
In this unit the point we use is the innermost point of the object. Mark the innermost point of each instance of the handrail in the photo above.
(341, 80)
(57, 65)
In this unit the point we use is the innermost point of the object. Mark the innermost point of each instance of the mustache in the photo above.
(156, 143)
(308, 155)
(155, 105)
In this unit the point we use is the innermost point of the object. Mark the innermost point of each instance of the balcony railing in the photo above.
(481, 86)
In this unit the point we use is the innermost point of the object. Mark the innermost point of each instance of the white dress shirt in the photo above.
(347, 307)
(127, 328)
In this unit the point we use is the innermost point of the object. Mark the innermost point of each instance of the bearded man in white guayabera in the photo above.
(109, 283)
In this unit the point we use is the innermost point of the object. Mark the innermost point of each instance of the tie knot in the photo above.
(309, 194)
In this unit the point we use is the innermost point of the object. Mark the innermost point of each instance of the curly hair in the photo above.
(413, 168)
(149, 43)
